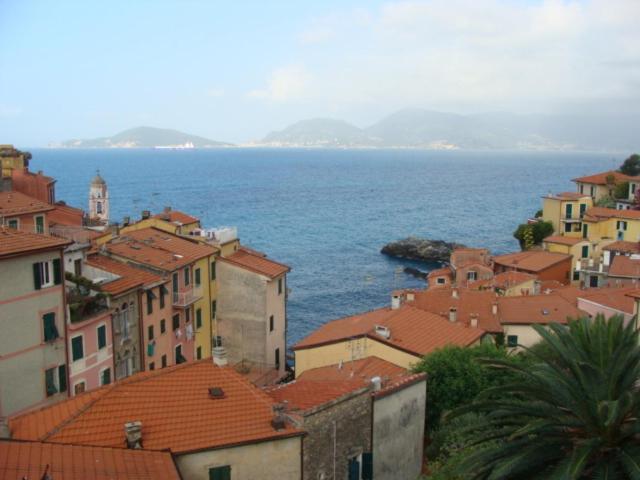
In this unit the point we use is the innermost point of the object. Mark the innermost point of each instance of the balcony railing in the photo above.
(592, 266)
(187, 296)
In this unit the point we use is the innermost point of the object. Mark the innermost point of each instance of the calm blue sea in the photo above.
(327, 213)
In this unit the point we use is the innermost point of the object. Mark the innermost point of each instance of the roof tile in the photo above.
(256, 262)
(17, 242)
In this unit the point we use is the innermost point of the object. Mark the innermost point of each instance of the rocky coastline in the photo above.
(422, 249)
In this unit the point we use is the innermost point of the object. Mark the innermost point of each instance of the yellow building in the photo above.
(565, 211)
(610, 224)
(601, 185)
(12, 159)
(578, 248)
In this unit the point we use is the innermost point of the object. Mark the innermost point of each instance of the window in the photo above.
(176, 321)
(583, 208)
(102, 336)
(199, 353)
(152, 366)
(163, 361)
(77, 267)
(214, 307)
(568, 210)
(47, 274)
(175, 285)
(124, 321)
(50, 328)
(593, 191)
(163, 292)
(55, 380)
(277, 358)
(79, 388)
(621, 225)
(271, 323)
(179, 357)
(585, 251)
(198, 318)
(472, 275)
(62, 378)
(213, 270)
(150, 332)
(187, 315)
(187, 278)
(582, 189)
(512, 340)
(633, 188)
(585, 231)
(279, 286)
(220, 473)
(13, 223)
(163, 326)
(99, 207)
(197, 275)
(567, 227)
(576, 276)
(440, 281)
(105, 376)
(77, 348)
(150, 296)
(39, 224)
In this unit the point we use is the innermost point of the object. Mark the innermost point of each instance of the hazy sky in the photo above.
(235, 70)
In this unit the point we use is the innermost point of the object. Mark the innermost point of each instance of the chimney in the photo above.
(278, 421)
(4, 428)
(133, 434)
(411, 296)
(146, 214)
(376, 383)
(126, 221)
(454, 293)
(396, 300)
(474, 320)
(219, 355)
(453, 314)
(114, 228)
(494, 308)
(167, 210)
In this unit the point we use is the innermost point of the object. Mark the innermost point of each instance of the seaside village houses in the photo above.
(156, 348)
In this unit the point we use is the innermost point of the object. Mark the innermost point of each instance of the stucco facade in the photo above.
(279, 459)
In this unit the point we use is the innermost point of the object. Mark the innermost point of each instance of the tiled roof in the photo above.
(562, 240)
(130, 276)
(413, 330)
(531, 260)
(440, 272)
(16, 203)
(536, 309)
(21, 460)
(616, 298)
(144, 254)
(623, 266)
(624, 247)
(63, 214)
(467, 303)
(175, 216)
(601, 178)
(190, 249)
(256, 262)
(16, 242)
(321, 385)
(567, 196)
(504, 280)
(597, 213)
(174, 406)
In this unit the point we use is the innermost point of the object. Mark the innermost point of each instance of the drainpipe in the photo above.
(211, 319)
(63, 282)
(143, 360)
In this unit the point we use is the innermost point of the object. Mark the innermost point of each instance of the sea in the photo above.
(327, 212)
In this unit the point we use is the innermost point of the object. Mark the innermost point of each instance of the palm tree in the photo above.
(574, 413)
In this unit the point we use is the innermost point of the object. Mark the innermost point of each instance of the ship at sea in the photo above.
(183, 146)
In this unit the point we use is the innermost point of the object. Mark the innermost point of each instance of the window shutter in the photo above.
(37, 279)
(354, 469)
(62, 377)
(367, 466)
(57, 273)
(220, 473)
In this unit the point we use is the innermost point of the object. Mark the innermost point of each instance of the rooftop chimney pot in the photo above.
(133, 434)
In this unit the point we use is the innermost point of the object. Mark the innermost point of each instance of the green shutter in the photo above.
(213, 270)
(57, 272)
(214, 307)
(50, 382)
(367, 466)
(37, 279)
(220, 473)
(198, 318)
(77, 350)
(197, 276)
(102, 337)
(62, 377)
(49, 324)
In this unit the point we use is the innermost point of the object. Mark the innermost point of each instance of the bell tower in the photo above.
(99, 199)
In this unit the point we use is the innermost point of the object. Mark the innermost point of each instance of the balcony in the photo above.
(83, 301)
(187, 296)
(589, 265)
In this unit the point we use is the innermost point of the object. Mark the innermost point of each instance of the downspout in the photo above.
(63, 282)
(210, 300)
(143, 360)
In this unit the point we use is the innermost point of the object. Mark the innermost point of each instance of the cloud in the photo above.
(284, 84)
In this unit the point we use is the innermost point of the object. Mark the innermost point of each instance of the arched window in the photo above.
(99, 207)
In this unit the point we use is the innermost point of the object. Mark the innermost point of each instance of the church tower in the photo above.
(99, 199)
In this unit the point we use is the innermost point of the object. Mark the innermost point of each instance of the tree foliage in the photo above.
(531, 234)
(573, 414)
(631, 166)
(621, 190)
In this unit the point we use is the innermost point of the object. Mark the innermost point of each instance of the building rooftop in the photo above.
(412, 330)
(623, 247)
(177, 217)
(17, 242)
(536, 309)
(598, 213)
(16, 203)
(562, 240)
(256, 262)
(174, 406)
(566, 196)
(601, 178)
(130, 275)
(612, 297)
(624, 266)
(318, 386)
(20, 460)
(503, 280)
(531, 260)
(156, 238)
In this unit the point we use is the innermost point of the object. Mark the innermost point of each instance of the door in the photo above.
(593, 281)
(354, 469)
(569, 210)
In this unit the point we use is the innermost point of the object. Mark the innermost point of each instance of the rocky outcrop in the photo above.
(422, 249)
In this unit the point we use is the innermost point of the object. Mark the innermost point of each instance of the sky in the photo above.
(234, 71)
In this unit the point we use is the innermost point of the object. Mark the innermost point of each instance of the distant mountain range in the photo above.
(145, 137)
(419, 128)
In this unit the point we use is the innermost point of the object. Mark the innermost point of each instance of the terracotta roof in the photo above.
(616, 298)
(321, 385)
(601, 178)
(597, 213)
(413, 330)
(63, 214)
(74, 233)
(624, 247)
(623, 266)
(536, 309)
(562, 240)
(17, 242)
(567, 196)
(504, 280)
(16, 203)
(439, 272)
(174, 406)
(175, 216)
(130, 276)
(29, 460)
(468, 303)
(256, 262)
(146, 255)
(190, 249)
(531, 260)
